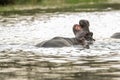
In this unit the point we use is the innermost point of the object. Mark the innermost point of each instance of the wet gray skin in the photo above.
(116, 35)
(58, 42)
(65, 42)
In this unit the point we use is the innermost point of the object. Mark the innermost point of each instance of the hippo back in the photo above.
(116, 35)
(55, 42)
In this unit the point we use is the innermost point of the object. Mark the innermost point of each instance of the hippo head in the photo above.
(89, 40)
(85, 38)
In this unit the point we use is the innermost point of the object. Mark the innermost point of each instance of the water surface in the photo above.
(20, 59)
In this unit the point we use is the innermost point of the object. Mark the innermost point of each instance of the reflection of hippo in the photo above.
(116, 35)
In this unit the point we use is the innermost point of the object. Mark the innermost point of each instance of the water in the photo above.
(21, 60)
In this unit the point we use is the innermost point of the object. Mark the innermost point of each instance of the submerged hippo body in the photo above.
(58, 42)
(116, 35)
(67, 42)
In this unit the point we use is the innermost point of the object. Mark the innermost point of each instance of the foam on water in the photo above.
(23, 32)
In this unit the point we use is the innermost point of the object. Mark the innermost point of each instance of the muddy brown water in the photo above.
(21, 60)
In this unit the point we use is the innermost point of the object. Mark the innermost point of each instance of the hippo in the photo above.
(116, 35)
(82, 37)
(67, 42)
(58, 42)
